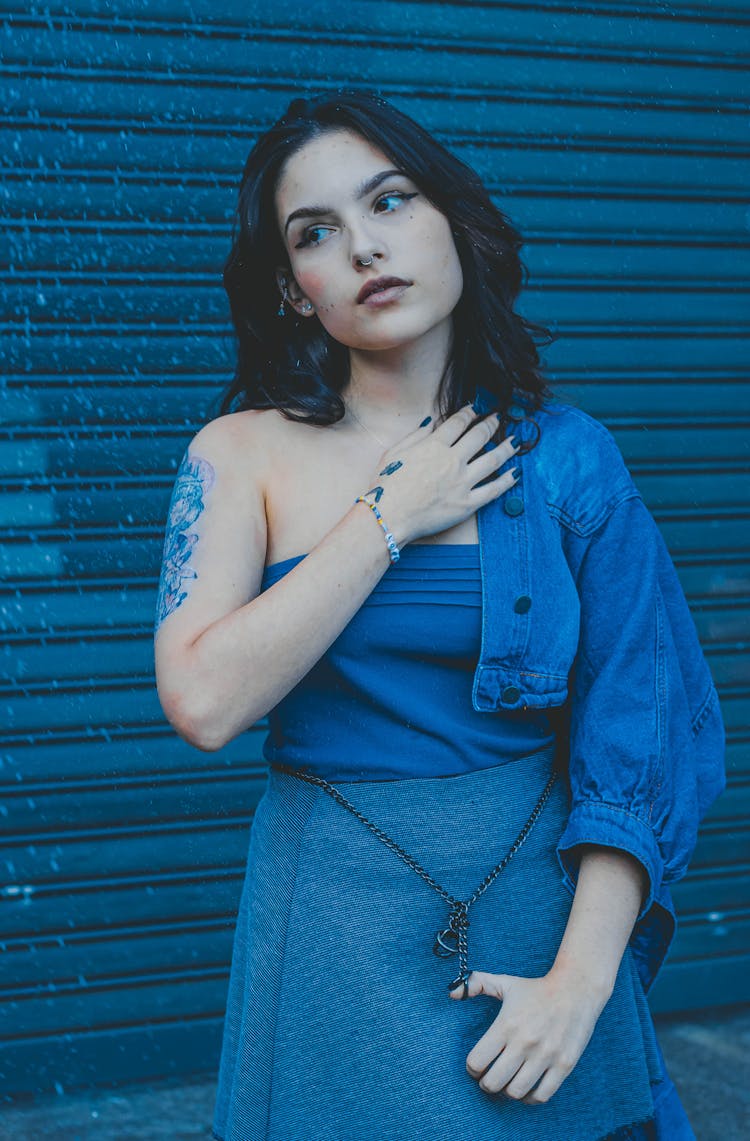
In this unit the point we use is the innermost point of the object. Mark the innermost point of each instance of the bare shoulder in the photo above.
(239, 442)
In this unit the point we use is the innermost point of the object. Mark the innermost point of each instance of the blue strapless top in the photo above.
(391, 697)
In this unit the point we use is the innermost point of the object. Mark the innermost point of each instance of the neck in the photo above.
(399, 385)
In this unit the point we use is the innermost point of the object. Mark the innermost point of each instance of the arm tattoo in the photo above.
(195, 477)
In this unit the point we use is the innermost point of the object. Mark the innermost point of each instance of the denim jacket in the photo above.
(582, 610)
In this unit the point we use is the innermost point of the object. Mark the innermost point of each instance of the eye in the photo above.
(308, 238)
(399, 195)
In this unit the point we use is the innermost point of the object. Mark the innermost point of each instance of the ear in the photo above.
(295, 297)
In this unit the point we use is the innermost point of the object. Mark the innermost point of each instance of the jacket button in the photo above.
(510, 695)
(522, 604)
(514, 505)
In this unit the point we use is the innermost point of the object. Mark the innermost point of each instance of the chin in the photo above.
(391, 334)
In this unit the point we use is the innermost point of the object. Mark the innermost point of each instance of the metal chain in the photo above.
(455, 936)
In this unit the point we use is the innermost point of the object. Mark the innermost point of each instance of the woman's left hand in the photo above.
(538, 1036)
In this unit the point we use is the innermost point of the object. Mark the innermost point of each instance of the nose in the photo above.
(365, 247)
(364, 261)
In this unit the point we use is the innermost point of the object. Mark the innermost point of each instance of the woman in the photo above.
(493, 732)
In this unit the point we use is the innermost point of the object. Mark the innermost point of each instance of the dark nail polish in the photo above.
(517, 472)
(426, 420)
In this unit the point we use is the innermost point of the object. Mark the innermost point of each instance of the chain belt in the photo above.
(454, 938)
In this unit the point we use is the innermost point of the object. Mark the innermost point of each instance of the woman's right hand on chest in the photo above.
(426, 482)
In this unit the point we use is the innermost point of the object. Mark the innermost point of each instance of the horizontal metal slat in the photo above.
(682, 398)
(581, 351)
(187, 1044)
(704, 894)
(131, 803)
(143, 206)
(86, 506)
(168, 37)
(614, 112)
(588, 164)
(721, 844)
(699, 983)
(691, 19)
(166, 995)
(97, 401)
(227, 65)
(80, 606)
(121, 852)
(140, 753)
(94, 705)
(725, 936)
(45, 912)
(117, 450)
(168, 351)
(732, 805)
(90, 960)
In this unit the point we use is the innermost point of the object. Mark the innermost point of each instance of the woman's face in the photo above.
(335, 203)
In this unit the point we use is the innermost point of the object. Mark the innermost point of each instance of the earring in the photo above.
(307, 307)
(281, 312)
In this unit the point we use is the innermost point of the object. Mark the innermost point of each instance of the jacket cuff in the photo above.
(594, 822)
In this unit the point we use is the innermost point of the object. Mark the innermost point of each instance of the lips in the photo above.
(377, 285)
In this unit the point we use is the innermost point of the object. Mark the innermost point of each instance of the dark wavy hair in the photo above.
(295, 365)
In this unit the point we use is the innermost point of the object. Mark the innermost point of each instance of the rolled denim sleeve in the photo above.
(646, 738)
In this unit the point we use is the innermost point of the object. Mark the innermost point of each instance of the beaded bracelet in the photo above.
(395, 554)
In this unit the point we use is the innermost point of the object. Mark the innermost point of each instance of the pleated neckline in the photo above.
(450, 556)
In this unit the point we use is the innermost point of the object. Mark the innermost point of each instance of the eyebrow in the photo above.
(362, 190)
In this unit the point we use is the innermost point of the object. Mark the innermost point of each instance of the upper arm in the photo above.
(215, 535)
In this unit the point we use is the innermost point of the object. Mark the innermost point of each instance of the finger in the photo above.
(492, 489)
(525, 1079)
(423, 428)
(502, 1070)
(483, 982)
(456, 425)
(487, 463)
(478, 435)
(549, 1085)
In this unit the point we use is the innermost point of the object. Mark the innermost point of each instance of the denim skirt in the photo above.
(338, 1023)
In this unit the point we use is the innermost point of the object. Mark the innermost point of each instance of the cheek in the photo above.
(445, 262)
(312, 284)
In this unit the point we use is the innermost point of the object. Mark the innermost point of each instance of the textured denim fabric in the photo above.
(609, 643)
